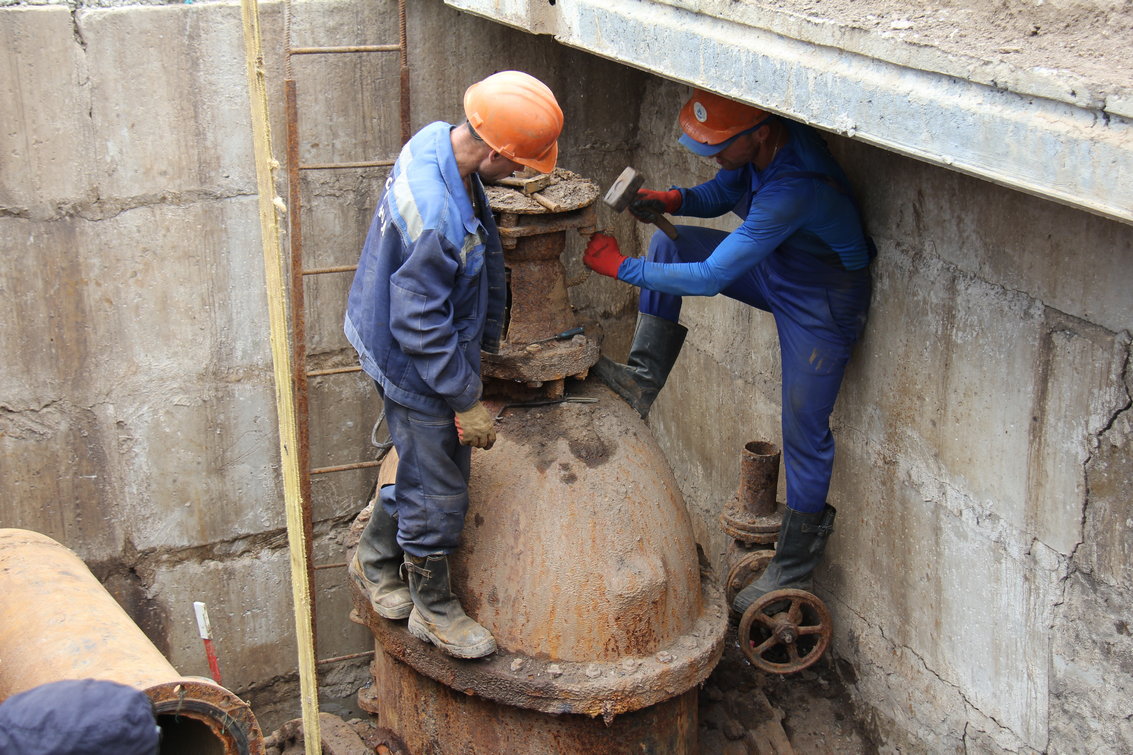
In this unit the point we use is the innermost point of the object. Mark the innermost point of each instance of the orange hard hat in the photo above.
(516, 115)
(710, 122)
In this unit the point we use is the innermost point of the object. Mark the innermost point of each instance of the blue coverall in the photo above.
(428, 295)
(802, 255)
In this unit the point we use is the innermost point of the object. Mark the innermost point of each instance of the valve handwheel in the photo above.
(785, 631)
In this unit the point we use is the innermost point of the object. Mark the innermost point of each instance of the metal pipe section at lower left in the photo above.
(60, 623)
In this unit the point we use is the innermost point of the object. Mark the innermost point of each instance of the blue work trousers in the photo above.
(820, 312)
(430, 496)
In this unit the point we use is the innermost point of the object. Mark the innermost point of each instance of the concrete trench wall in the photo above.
(979, 574)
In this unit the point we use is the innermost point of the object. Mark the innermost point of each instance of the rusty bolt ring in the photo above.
(768, 538)
(752, 524)
(783, 630)
(565, 360)
(207, 713)
(690, 660)
(745, 571)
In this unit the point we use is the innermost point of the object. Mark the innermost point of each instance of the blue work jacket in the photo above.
(429, 291)
(800, 204)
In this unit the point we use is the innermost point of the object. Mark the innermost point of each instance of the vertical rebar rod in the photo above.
(299, 335)
(403, 40)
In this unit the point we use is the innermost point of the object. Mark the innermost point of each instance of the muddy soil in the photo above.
(746, 711)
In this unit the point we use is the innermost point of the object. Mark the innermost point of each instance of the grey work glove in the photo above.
(475, 427)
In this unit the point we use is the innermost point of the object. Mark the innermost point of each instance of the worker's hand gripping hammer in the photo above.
(624, 191)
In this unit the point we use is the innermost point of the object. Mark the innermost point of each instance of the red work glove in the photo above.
(650, 203)
(602, 255)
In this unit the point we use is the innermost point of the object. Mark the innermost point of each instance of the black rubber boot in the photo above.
(376, 566)
(437, 615)
(656, 344)
(802, 541)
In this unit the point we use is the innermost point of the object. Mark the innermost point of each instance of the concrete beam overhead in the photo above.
(1045, 132)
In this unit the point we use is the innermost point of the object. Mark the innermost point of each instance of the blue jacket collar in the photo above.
(450, 171)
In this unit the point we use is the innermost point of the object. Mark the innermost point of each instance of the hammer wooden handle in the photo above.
(663, 223)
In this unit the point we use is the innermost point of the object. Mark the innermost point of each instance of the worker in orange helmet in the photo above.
(800, 253)
(427, 297)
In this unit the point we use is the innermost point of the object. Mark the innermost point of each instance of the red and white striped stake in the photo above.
(205, 631)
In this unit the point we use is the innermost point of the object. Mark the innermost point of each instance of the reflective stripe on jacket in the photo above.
(429, 291)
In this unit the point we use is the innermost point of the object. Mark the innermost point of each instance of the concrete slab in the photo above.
(153, 293)
(180, 122)
(46, 134)
(1027, 131)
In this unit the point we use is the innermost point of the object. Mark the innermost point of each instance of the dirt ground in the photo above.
(744, 710)
(1090, 39)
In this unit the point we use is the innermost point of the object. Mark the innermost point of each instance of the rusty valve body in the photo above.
(534, 236)
(577, 555)
(785, 630)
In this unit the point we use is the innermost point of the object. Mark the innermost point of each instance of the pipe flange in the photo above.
(765, 538)
(604, 688)
(745, 571)
(541, 362)
(227, 716)
(741, 525)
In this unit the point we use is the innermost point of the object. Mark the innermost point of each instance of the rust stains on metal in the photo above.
(538, 309)
(562, 191)
(587, 576)
(440, 718)
(577, 552)
(785, 631)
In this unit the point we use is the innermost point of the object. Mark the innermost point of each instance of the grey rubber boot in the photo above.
(437, 615)
(802, 540)
(656, 344)
(376, 566)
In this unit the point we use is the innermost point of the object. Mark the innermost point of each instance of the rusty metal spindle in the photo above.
(539, 303)
(759, 477)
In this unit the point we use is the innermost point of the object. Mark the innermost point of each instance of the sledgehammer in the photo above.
(624, 190)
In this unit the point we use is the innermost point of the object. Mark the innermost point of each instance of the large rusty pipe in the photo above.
(435, 718)
(60, 623)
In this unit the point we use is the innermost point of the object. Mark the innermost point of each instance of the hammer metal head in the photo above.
(624, 189)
